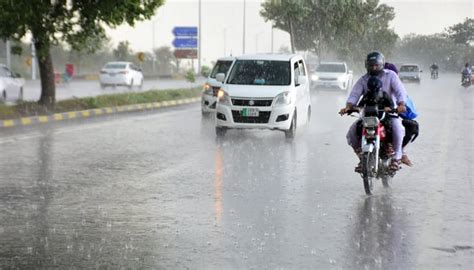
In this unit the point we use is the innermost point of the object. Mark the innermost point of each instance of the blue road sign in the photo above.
(185, 43)
(185, 31)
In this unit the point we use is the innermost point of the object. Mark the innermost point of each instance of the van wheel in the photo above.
(291, 132)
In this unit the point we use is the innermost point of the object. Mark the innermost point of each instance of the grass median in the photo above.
(31, 108)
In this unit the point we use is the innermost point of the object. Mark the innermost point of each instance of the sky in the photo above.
(222, 24)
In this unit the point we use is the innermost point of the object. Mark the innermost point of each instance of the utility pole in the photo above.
(243, 37)
(33, 59)
(225, 29)
(153, 47)
(199, 41)
(8, 53)
(272, 40)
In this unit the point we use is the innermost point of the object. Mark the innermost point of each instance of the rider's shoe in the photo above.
(405, 160)
(389, 149)
(358, 168)
(395, 165)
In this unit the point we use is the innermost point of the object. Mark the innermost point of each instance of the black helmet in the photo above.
(374, 63)
(466, 65)
(374, 84)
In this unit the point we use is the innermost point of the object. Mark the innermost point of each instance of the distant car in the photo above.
(410, 72)
(120, 73)
(11, 84)
(211, 86)
(264, 91)
(332, 75)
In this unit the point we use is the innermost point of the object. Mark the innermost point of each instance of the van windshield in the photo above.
(260, 72)
(336, 68)
(220, 67)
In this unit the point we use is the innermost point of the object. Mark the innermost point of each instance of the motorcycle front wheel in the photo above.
(368, 163)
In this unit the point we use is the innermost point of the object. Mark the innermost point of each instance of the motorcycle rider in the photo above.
(466, 72)
(392, 85)
(434, 69)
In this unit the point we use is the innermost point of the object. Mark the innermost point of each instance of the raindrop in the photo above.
(29, 250)
(313, 252)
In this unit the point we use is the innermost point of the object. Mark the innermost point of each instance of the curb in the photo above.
(26, 121)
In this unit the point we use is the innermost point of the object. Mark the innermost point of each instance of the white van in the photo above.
(265, 91)
(211, 86)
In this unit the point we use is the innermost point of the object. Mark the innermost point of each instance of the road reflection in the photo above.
(380, 236)
(218, 185)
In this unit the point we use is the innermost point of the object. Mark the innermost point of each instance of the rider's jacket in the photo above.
(466, 71)
(391, 85)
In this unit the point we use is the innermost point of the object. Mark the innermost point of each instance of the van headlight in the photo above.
(223, 98)
(283, 99)
(207, 89)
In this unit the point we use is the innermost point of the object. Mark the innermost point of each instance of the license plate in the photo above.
(249, 112)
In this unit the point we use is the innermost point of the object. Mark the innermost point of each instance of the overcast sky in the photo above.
(222, 24)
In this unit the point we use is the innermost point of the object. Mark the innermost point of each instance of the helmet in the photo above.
(466, 65)
(374, 63)
(390, 66)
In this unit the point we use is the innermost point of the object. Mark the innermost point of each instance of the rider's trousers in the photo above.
(398, 132)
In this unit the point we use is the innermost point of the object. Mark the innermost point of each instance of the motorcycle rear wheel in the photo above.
(367, 165)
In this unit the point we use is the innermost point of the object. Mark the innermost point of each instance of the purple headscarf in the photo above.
(390, 66)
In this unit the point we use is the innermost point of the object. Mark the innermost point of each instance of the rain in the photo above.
(254, 170)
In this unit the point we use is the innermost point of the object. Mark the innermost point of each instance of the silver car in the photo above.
(120, 73)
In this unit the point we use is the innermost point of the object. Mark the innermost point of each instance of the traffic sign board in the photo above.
(186, 53)
(185, 43)
(185, 31)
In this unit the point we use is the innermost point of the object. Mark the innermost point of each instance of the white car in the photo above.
(210, 88)
(332, 75)
(120, 73)
(410, 72)
(11, 84)
(265, 91)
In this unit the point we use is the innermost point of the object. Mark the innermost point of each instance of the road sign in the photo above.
(185, 53)
(185, 31)
(185, 43)
(141, 56)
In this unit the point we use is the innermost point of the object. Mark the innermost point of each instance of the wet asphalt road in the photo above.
(157, 191)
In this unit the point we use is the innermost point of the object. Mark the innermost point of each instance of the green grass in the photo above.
(24, 109)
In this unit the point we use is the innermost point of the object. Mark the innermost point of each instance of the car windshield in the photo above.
(116, 66)
(409, 68)
(339, 68)
(220, 67)
(260, 72)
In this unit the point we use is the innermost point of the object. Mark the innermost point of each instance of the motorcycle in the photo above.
(466, 80)
(376, 151)
(434, 74)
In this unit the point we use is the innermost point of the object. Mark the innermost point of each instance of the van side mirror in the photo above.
(220, 77)
(301, 80)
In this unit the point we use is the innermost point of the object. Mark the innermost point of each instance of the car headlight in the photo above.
(314, 77)
(207, 89)
(223, 98)
(283, 99)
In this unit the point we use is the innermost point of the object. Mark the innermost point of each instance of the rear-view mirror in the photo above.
(220, 77)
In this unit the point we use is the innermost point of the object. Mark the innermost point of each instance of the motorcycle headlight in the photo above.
(283, 99)
(223, 98)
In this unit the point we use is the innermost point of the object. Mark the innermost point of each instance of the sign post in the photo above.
(185, 42)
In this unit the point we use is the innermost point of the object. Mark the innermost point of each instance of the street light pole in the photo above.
(153, 47)
(243, 37)
(225, 29)
(199, 40)
(272, 40)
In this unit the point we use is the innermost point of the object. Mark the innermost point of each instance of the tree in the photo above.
(344, 27)
(164, 58)
(123, 51)
(76, 23)
(462, 33)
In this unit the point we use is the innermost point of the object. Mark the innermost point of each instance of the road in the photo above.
(85, 88)
(158, 191)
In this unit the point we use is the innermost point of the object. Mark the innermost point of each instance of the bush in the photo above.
(205, 71)
(190, 76)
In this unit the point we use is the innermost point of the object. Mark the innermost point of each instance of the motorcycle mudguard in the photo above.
(367, 148)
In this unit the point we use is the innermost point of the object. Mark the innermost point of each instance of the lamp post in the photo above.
(243, 36)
